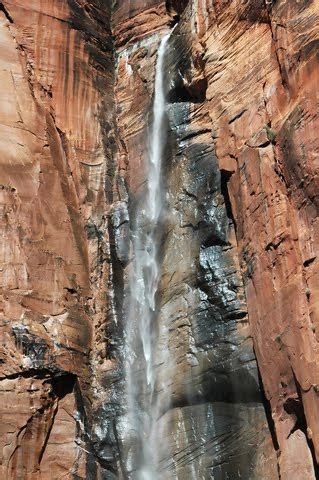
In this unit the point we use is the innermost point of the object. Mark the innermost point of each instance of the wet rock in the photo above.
(120, 222)
(238, 235)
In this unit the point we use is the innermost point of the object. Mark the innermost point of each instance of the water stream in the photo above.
(143, 285)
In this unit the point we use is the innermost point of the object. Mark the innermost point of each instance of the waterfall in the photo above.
(143, 284)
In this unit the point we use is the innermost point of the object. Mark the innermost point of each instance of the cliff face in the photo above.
(56, 104)
(238, 244)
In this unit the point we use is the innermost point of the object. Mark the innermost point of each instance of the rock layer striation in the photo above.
(237, 328)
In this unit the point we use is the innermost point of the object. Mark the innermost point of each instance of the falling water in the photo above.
(144, 278)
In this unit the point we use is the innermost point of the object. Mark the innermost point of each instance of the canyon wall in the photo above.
(239, 263)
(56, 126)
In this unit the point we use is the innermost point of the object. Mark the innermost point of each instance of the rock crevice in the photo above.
(238, 250)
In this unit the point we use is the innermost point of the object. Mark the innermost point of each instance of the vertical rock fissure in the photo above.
(47, 436)
(270, 420)
(224, 179)
(6, 13)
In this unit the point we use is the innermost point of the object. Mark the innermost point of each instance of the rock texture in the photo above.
(266, 142)
(239, 255)
(55, 105)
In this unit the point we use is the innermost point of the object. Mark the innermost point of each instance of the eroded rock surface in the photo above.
(238, 247)
(56, 102)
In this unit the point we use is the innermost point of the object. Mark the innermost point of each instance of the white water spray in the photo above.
(144, 279)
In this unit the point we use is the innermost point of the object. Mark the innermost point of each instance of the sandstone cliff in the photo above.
(239, 264)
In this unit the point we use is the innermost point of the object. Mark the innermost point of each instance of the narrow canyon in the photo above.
(159, 304)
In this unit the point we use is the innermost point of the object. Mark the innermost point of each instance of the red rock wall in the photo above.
(262, 74)
(71, 130)
(56, 91)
